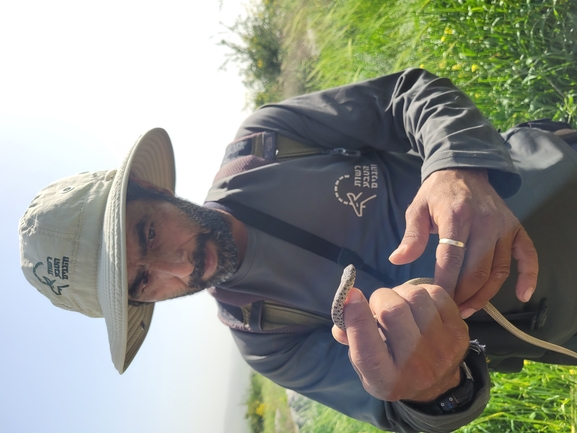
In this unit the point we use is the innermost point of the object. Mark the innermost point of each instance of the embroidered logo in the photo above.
(359, 190)
(56, 268)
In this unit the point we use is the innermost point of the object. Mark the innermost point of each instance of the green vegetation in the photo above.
(259, 51)
(515, 58)
(541, 398)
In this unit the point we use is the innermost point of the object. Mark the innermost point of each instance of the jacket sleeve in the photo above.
(411, 111)
(318, 367)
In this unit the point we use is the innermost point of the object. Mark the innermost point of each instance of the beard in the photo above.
(214, 227)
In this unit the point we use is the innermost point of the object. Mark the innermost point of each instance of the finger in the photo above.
(472, 292)
(434, 312)
(422, 306)
(445, 305)
(340, 335)
(454, 328)
(402, 335)
(416, 234)
(368, 353)
(525, 254)
(450, 259)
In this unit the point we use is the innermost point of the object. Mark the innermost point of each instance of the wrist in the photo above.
(454, 399)
(430, 395)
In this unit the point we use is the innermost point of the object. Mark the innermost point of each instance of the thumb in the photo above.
(416, 235)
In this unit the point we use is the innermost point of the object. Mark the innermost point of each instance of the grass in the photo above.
(515, 58)
(541, 398)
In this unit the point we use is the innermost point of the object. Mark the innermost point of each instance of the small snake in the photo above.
(348, 280)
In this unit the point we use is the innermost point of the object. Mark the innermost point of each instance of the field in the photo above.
(516, 59)
(541, 398)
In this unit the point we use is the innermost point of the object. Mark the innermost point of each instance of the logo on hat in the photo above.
(57, 268)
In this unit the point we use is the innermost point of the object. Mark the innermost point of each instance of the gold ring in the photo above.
(452, 242)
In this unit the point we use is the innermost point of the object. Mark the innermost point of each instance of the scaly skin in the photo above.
(337, 309)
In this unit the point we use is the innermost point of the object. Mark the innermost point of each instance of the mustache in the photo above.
(214, 227)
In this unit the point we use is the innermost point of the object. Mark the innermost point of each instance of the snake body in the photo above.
(348, 281)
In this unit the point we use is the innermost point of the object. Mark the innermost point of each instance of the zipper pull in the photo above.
(344, 152)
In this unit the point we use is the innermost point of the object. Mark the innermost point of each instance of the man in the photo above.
(405, 144)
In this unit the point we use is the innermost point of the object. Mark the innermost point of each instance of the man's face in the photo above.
(175, 248)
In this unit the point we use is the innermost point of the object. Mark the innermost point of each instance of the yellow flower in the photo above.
(448, 31)
(443, 38)
(422, 66)
(259, 63)
(260, 409)
(474, 68)
(443, 64)
(455, 67)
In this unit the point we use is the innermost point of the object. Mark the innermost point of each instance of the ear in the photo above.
(149, 185)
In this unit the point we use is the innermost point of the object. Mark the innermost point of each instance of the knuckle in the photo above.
(480, 275)
(416, 294)
(366, 363)
(501, 272)
(436, 291)
(451, 258)
(412, 212)
(461, 210)
(394, 312)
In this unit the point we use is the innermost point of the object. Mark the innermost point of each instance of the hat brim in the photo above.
(152, 160)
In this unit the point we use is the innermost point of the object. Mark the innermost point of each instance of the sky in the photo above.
(79, 82)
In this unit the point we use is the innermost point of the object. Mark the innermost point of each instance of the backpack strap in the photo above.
(270, 146)
(301, 238)
(562, 130)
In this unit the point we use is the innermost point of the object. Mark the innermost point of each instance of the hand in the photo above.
(425, 341)
(461, 204)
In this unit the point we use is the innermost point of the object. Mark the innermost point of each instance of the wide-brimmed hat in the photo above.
(73, 243)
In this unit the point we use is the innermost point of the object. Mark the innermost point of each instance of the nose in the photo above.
(173, 263)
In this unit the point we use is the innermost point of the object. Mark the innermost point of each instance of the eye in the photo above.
(151, 235)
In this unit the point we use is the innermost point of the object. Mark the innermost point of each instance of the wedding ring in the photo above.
(452, 242)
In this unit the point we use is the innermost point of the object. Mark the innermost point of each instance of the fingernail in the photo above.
(465, 314)
(528, 293)
(355, 296)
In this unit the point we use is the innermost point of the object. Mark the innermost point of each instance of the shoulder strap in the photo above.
(303, 239)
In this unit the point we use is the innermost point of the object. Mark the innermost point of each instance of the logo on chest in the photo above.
(358, 189)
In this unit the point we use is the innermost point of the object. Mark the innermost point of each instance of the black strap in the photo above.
(303, 239)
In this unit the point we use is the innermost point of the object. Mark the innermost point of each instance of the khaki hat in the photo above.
(73, 243)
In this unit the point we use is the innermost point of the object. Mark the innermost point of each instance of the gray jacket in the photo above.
(408, 125)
